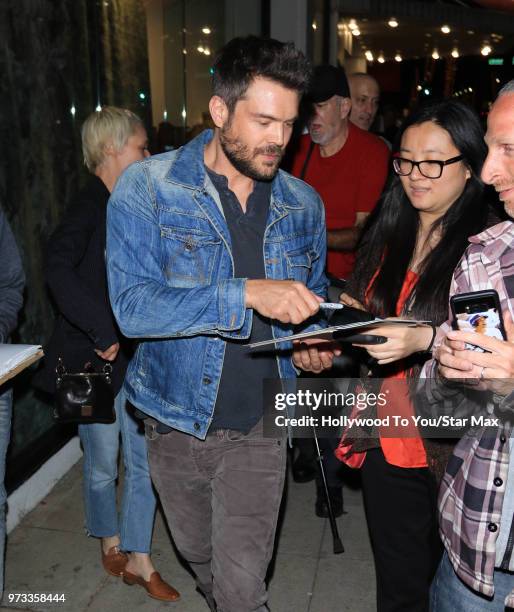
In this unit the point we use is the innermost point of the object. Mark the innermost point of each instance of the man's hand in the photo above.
(402, 341)
(311, 355)
(494, 370)
(110, 353)
(284, 300)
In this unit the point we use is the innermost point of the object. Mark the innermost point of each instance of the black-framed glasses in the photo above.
(429, 168)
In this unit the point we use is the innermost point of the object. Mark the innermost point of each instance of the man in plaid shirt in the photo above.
(476, 499)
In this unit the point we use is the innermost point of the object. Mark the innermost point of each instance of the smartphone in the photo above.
(479, 312)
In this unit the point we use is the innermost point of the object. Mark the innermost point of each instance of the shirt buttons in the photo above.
(206, 380)
(196, 426)
(493, 527)
(498, 482)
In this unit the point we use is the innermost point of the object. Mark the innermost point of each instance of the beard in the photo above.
(245, 161)
(322, 137)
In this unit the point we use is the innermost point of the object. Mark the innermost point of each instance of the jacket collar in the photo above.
(188, 170)
(96, 188)
(495, 240)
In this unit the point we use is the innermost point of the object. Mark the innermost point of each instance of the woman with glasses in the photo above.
(413, 242)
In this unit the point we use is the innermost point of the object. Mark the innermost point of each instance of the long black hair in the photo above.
(389, 240)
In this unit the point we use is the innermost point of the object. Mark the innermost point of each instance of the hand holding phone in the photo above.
(478, 312)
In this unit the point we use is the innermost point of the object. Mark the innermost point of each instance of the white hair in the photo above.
(111, 126)
(507, 88)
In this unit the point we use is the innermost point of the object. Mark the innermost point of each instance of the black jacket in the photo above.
(76, 276)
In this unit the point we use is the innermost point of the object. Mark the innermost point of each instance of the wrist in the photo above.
(431, 337)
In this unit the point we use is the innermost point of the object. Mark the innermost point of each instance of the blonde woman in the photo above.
(112, 139)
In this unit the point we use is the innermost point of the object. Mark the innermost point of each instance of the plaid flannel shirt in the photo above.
(470, 498)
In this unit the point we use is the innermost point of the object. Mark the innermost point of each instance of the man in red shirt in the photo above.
(347, 166)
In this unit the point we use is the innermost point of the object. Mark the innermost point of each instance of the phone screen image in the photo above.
(486, 322)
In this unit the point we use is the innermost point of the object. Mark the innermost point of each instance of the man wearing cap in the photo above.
(345, 164)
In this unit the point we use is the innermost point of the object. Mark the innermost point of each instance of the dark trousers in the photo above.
(221, 497)
(400, 506)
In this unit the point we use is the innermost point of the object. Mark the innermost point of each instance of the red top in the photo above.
(350, 181)
(402, 452)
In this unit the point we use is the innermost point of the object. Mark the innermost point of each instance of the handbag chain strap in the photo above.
(60, 369)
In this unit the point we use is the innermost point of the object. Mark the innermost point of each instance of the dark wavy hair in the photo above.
(243, 59)
(390, 236)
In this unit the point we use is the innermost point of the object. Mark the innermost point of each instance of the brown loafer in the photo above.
(155, 587)
(114, 561)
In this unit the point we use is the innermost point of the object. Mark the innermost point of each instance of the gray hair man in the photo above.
(365, 95)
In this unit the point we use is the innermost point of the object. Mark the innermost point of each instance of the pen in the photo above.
(331, 306)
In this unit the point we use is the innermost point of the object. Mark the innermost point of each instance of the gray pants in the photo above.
(221, 498)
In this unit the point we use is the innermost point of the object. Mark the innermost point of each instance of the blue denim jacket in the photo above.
(171, 279)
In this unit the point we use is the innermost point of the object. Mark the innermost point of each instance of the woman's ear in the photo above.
(109, 148)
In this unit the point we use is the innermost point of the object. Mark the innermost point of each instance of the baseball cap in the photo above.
(328, 81)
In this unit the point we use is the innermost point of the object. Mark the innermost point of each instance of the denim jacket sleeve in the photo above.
(12, 280)
(317, 281)
(144, 305)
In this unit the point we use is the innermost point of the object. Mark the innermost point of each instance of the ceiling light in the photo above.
(392, 23)
(200, 49)
(352, 24)
(486, 49)
(445, 29)
(398, 57)
(207, 51)
(314, 25)
(381, 58)
(206, 30)
(435, 54)
(470, 90)
(419, 88)
(497, 80)
(356, 32)
(369, 56)
(455, 53)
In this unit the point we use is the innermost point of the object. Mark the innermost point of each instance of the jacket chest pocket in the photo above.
(299, 265)
(189, 256)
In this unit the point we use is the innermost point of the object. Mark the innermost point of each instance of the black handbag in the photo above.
(84, 397)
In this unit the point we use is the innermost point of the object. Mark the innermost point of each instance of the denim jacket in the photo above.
(171, 278)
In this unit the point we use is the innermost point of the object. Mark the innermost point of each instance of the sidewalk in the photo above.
(49, 553)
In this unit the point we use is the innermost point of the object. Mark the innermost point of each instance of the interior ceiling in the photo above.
(415, 39)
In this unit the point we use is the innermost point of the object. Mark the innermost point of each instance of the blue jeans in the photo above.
(101, 447)
(450, 594)
(5, 435)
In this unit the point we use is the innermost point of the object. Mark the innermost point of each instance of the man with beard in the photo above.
(208, 248)
(346, 165)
